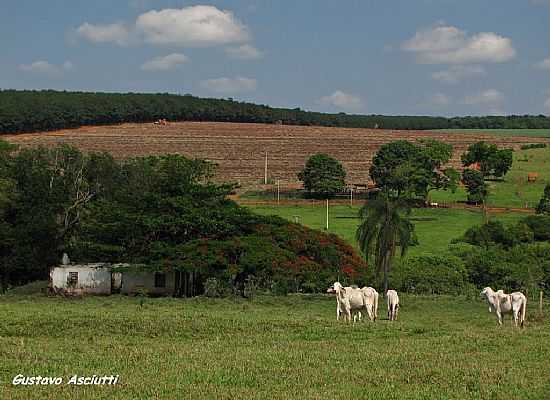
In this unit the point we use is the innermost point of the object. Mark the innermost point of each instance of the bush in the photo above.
(495, 233)
(540, 225)
(544, 204)
(431, 274)
(533, 146)
(525, 267)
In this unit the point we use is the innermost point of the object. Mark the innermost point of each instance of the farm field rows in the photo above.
(270, 348)
(240, 149)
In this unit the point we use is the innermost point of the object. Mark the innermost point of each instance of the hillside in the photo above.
(239, 149)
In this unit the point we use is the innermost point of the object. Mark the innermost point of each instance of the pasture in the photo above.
(435, 227)
(533, 133)
(270, 348)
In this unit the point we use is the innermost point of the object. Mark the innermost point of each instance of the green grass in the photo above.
(435, 228)
(501, 132)
(270, 348)
(515, 191)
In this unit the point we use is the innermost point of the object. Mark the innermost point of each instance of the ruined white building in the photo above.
(106, 279)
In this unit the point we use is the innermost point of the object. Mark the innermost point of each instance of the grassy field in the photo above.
(269, 348)
(515, 191)
(435, 228)
(501, 132)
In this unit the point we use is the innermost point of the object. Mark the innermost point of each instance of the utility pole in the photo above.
(265, 170)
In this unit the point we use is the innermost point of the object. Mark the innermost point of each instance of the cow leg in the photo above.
(499, 317)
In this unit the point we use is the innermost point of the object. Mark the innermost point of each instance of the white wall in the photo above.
(92, 279)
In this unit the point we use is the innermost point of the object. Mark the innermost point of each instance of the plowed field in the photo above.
(239, 149)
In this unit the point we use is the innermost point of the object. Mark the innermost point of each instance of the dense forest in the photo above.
(34, 111)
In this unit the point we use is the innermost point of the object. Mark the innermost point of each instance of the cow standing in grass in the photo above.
(393, 304)
(371, 302)
(350, 301)
(502, 303)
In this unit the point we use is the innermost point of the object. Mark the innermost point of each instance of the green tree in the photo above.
(409, 170)
(544, 203)
(491, 160)
(323, 175)
(475, 185)
(385, 225)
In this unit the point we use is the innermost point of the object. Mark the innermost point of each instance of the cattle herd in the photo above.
(352, 300)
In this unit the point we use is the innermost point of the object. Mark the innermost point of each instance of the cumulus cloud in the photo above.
(544, 64)
(450, 45)
(165, 63)
(342, 100)
(116, 33)
(195, 26)
(457, 73)
(42, 67)
(244, 52)
(229, 85)
(489, 101)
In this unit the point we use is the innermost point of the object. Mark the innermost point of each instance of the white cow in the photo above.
(393, 304)
(371, 302)
(502, 303)
(350, 301)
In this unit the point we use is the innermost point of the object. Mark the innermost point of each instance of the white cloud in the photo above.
(544, 64)
(42, 67)
(547, 106)
(440, 100)
(195, 26)
(165, 63)
(342, 100)
(450, 45)
(116, 33)
(230, 85)
(244, 52)
(457, 73)
(68, 66)
(489, 101)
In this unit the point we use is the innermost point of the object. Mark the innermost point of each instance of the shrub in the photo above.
(544, 204)
(533, 146)
(431, 274)
(540, 225)
(494, 232)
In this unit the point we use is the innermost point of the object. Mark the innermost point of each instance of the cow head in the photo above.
(336, 287)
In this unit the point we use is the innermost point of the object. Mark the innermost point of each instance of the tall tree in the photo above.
(409, 170)
(385, 226)
(491, 160)
(323, 175)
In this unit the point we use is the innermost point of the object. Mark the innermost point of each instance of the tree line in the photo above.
(35, 111)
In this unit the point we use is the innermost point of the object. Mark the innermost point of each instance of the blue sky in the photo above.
(429, 57)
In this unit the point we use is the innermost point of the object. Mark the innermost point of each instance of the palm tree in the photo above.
(384, 226)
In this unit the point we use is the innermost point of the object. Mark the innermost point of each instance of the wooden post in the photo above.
(278, 191)
(541, 294)
(265, 169)
(351, 197)
(327, 214)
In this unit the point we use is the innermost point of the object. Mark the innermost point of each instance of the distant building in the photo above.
(105, 279)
